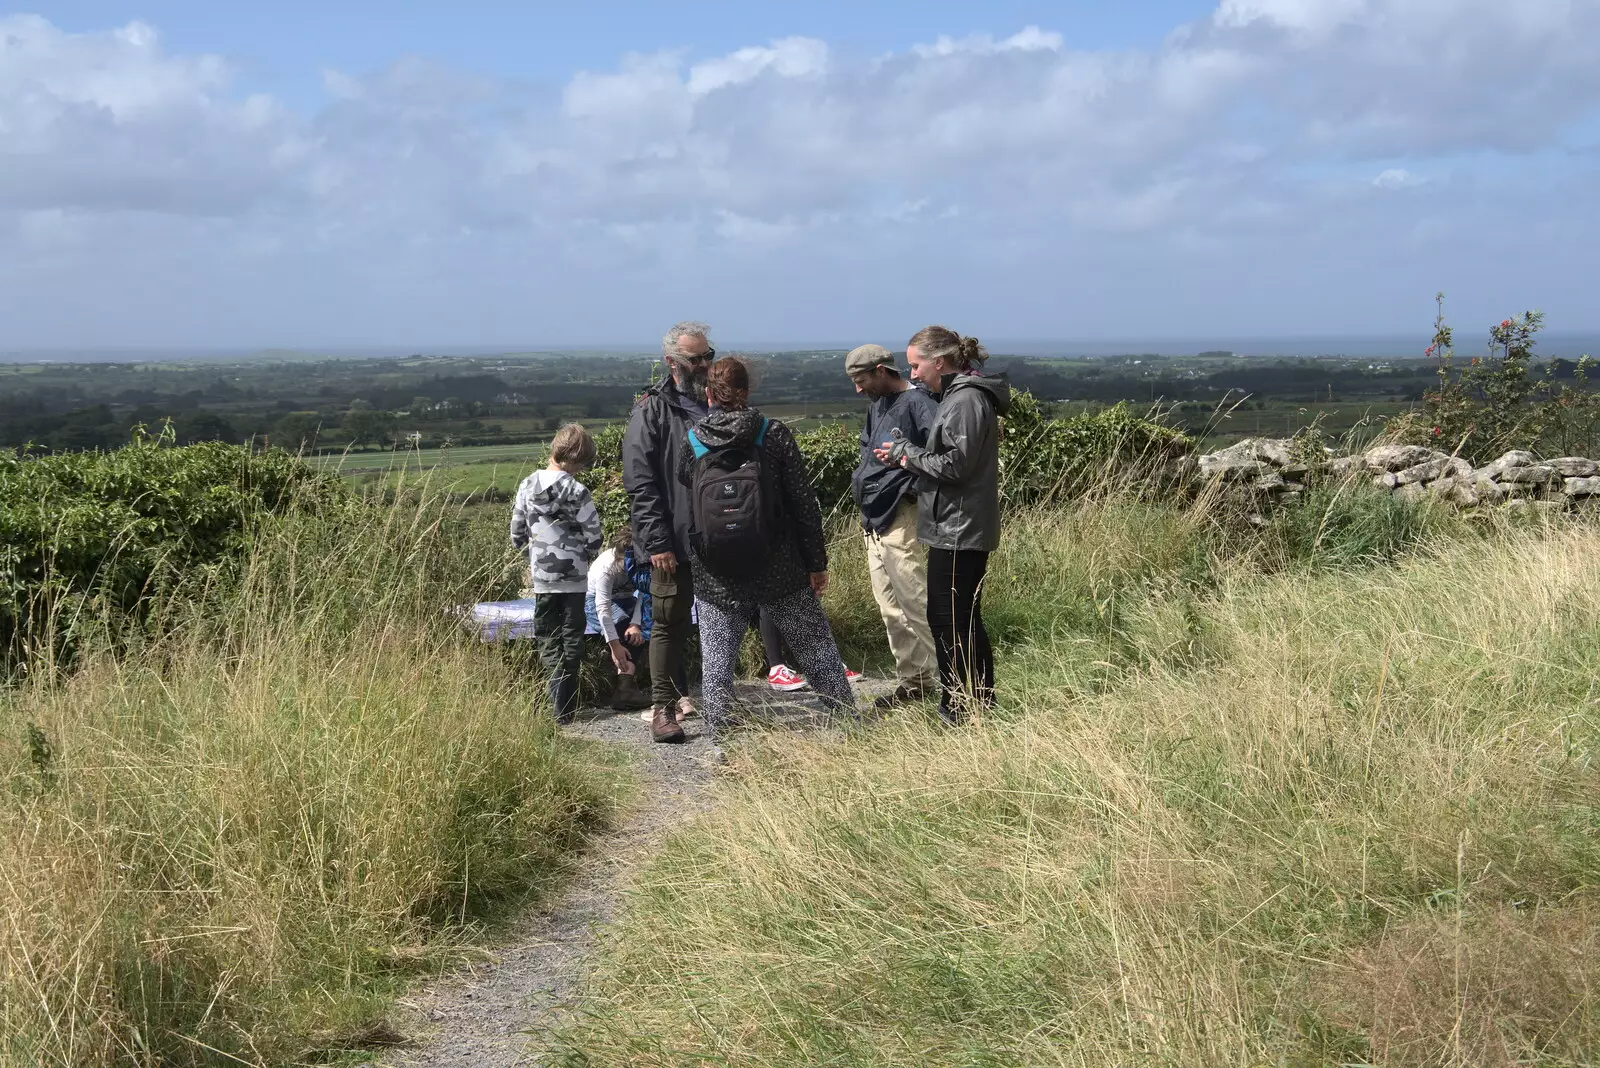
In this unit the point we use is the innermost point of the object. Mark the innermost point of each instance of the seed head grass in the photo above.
(233, 837)
(1236, 807)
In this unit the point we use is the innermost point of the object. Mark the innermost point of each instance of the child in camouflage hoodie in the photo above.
(555, 520)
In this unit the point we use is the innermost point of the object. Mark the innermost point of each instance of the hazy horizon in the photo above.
(1550, 344)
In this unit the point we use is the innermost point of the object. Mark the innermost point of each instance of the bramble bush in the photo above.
(88, 537)
(1044, 460)
(1495, 402)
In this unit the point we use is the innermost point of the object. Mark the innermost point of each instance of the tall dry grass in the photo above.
(227, 841)
(1321, 816)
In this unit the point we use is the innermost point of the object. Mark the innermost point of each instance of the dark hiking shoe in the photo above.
(664, 727)
(628, 697)
(903, 695)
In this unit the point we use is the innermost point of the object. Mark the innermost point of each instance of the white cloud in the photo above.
(1396, 178)
(109, 122)
(792, 57)
(1310, 17)
(1237, 129)
(1029, 39)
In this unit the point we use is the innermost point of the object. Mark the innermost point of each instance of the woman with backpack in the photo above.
(958, 506)
(756, 544)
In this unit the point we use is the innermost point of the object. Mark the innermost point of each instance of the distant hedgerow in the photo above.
(1041, 459)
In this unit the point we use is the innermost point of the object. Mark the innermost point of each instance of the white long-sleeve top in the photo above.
(607, 578)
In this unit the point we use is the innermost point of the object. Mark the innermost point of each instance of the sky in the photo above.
(346, 173)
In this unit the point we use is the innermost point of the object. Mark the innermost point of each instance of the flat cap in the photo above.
(864, 358)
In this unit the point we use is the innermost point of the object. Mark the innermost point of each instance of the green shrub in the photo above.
(1043, 460)
(89, 538)
(1494, 403)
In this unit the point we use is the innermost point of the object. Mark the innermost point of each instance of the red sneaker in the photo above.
(783, 680)
(854, 676)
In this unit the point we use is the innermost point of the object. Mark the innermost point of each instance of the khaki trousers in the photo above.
(898, 565)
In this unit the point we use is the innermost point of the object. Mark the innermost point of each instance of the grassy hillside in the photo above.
(1240, 805)
(229, 840)
(1316, 794)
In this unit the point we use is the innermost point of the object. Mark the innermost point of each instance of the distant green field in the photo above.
(462, 470)
(358, 463)
(476, 468)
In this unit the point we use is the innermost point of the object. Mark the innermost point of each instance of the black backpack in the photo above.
(735, 522)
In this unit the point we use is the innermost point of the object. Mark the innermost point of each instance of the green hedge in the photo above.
(90, 536)
(93, 536)
(1040, 459)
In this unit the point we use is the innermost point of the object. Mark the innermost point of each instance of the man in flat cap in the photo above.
(887, 498)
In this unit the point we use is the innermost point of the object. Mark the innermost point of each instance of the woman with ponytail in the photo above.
(958, 506)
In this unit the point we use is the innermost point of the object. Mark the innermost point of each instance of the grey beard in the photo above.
(690, 374)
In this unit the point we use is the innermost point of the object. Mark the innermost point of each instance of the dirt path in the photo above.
(496, 1015)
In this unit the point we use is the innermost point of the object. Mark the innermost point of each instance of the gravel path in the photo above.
(495, 1015)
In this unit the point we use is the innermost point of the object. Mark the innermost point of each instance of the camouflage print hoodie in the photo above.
(555, 520)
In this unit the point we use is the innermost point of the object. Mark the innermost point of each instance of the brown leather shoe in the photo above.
(903, 695)
(664, 726)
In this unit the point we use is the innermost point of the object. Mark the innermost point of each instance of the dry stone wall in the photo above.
(1278, 469)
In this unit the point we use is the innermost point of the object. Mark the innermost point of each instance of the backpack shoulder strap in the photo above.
(696, 446)
(761, 435)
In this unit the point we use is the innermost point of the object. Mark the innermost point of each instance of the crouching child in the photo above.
(618, 608)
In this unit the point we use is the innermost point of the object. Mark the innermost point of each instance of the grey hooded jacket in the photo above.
(958, 472)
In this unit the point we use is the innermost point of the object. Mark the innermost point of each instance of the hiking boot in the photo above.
(628, 697)
(903, 695)
(782, 679)
(664, 726)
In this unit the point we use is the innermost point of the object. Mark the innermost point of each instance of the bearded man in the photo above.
(657, 436)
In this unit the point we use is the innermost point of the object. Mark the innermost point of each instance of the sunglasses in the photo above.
(705, 357)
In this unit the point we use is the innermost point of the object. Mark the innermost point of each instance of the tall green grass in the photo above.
(1242, 804)
(230, 840)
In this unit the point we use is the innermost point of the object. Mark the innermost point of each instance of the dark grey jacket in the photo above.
(653, 447)
(804, 546)
(958, 473)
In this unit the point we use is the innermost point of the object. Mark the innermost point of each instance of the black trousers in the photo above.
(960, 642)
(772, 647)
(558, 623)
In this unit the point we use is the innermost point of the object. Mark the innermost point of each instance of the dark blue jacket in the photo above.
(879, 487)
